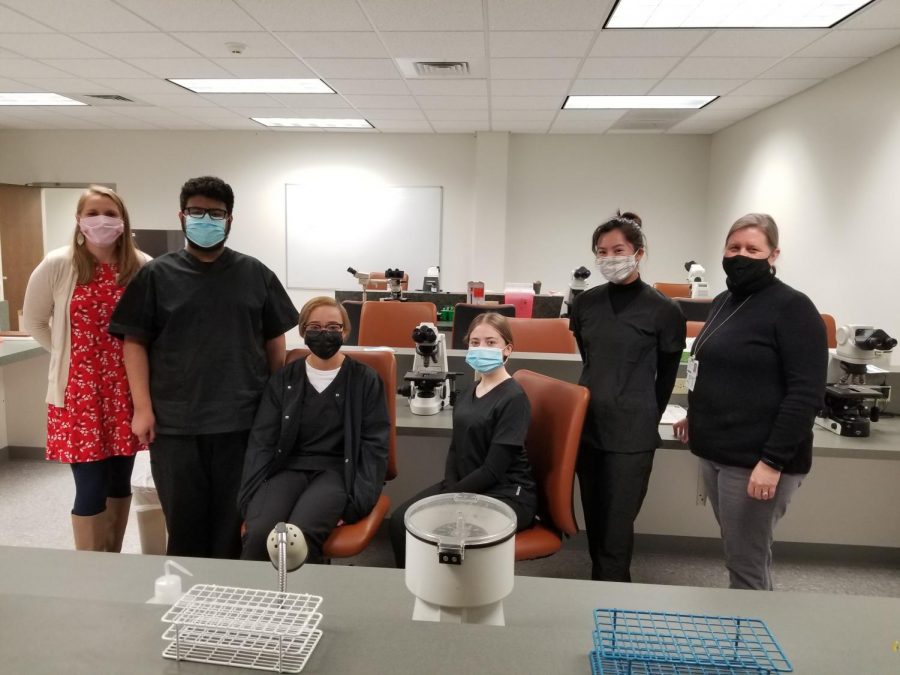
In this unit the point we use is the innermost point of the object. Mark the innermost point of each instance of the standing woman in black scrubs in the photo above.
(490, 422)
(631, 338)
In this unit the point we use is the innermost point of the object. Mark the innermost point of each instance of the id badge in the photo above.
(693, 369)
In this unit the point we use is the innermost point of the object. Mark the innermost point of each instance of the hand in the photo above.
(680, 429)
(763, 482)
(143, 425)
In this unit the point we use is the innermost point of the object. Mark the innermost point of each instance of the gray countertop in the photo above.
(14, 349)
(80, 612)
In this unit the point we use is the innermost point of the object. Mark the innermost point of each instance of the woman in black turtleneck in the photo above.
(631, 338)
(759, 368)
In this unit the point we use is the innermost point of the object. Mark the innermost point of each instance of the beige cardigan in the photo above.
(50, 287)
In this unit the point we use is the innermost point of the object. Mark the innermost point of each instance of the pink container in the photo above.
(521, 296)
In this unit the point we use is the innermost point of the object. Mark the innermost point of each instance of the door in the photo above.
(21, 242)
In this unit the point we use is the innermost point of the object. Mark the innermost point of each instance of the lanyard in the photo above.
(704, 336)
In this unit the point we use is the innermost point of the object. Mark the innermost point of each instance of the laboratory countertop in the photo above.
(14, 349)
(82, 612)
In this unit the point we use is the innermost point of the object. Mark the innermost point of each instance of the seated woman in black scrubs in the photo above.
(318, 448)
(490, 422)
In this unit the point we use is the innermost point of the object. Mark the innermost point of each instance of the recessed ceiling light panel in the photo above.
(36, 98)
(635, 102)
(255, 86)
(316, 123)
(731, 13)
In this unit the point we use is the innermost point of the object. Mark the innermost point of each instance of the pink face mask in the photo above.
(101, 230)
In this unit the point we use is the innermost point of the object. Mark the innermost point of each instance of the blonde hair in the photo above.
(126, 254)
(323, 301)
(496, 321)
(761, 221)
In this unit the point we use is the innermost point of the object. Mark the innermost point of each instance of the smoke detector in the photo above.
(235, 47)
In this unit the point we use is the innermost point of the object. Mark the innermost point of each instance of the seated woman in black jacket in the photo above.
(490, 422)
(318, 448)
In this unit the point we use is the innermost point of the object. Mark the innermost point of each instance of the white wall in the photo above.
(59, 206)
(826, 165)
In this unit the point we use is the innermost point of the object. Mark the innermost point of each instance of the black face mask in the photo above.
(324, 343)
(747, 275)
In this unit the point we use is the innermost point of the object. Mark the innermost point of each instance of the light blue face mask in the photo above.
(204, 232)
(484, 359)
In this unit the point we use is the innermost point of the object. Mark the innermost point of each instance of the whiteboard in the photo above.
(370, 229)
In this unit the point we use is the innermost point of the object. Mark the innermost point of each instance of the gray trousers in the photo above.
(747, 525)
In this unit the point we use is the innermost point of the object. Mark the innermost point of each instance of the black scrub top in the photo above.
(205, 325)
(621, 353)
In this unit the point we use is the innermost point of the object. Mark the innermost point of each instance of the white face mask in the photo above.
(617, 268)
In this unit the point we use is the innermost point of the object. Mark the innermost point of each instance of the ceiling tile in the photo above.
(731, 102)
(621, 87)
(758, 42)
(307, 15)
(435, 45)
(797, 68)
(265, 67)
(354, 68)
(527, 102)
(698, 87)
(721, 68)
(438, 15)
(27, 68)
(452, 102)
(632, 43)
(47, 46)
(311, 100)
(335, 45)
(182, 99)
(372, 101)
(402, 126)
(234, 123)
(94, 68)
(521, 126)
(379, 87)
(534, 69)
(393, 114)
(540, 44)
(459, 127)
(139, 86)
(13, 22)
(206, 114)
(547, 14)
(500, 115)
(167, 68)
(876, 15)
(853, 43)
(299, 111)
(443, 115)
(628, 68)
(255, 45)
(583, 125)
(83, 16)
(530, 87)
(244, 100)
(16, 85)
(194, 15)
(447, 87)
(139, 45)
(65, 85)
(774, 87)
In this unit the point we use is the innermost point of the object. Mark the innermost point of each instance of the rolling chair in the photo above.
(550, 336)
(830, 330)
(464, 313)
(673, 290)
(557, 415)
(390, 324)
(349, 540)
(354, 309)
(694, 328)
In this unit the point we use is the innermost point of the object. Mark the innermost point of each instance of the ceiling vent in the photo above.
(435, 69)
(110, 97)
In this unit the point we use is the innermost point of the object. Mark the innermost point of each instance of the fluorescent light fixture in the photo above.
(233, 85)
(311, 122)
(635, 102)
(731, 13)
(36, 99)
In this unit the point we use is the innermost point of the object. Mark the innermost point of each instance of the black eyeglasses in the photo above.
(198, 212)
(330, 327)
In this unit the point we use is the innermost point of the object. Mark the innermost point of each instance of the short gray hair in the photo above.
(761, 221)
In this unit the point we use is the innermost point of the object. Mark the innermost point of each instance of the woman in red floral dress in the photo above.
(69, 300)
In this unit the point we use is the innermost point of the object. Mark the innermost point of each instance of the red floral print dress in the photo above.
(95, 423)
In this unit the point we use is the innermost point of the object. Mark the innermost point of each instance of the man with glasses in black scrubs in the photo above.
(203, 328)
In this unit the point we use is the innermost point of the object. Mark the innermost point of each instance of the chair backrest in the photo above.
(354, 309)
(386, 366)
(694, 309)
(673, 290)
(694, 328)
(390, 324)
(830, 330)
(378, 282)
(557, 415)
(464, 313)
(543, 335)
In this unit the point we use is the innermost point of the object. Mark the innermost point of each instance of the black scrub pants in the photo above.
(312, 500)
(613, 486)
(197, 479)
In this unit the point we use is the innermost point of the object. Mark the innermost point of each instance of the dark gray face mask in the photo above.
(324, 343)
(746, 275)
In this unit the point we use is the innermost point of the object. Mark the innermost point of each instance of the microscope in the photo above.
(394, 279)
(577, 285)
(430, 385)
(363, 280)
(696, 275)
(850, 402)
